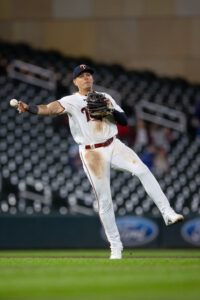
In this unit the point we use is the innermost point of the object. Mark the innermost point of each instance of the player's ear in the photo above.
(74, 81)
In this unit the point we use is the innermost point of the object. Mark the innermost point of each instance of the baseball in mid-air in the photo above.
(13, 103)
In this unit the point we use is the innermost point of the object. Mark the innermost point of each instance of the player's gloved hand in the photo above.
(98, 106)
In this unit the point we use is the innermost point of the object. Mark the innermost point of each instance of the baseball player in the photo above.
(100, 150)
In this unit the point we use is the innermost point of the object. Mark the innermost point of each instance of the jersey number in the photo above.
(84, 110)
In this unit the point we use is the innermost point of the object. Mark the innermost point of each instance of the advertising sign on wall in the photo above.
(136, 231)
(191, 231)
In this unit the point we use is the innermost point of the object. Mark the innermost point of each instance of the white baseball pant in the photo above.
(97, 163)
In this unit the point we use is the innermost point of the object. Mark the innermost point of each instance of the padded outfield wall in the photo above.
(58, 232)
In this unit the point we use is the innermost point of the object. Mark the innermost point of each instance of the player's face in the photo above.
(84, 81)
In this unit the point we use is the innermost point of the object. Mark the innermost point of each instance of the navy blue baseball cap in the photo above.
(80, 69)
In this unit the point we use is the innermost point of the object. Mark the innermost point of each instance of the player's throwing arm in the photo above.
(53, 108)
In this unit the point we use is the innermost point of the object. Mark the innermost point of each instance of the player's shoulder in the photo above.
(105, 94)
(108, 96)
(67, 98)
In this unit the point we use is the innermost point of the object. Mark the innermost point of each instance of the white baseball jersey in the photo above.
(86, 130)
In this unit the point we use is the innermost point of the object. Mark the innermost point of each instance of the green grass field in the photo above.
(141, 274)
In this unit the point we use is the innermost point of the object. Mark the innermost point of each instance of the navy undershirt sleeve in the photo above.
(120, 118)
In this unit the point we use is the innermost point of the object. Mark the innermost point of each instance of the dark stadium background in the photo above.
(147, 55)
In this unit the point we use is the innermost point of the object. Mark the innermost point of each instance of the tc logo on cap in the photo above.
(80, 69)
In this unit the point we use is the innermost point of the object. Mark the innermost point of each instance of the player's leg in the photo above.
(96, 164)
(126, 159)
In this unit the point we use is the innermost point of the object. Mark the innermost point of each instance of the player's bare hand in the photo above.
(110, 105)
(22, 107)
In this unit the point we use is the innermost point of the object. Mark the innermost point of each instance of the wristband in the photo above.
(33, 109)
(120, 118)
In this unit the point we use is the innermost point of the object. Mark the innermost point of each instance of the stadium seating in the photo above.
(41, 172)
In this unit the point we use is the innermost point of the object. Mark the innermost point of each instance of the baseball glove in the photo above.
(97, 105)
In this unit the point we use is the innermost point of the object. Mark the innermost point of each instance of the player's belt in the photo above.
(105, 144)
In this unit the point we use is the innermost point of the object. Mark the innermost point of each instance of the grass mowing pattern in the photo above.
(141, 275)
